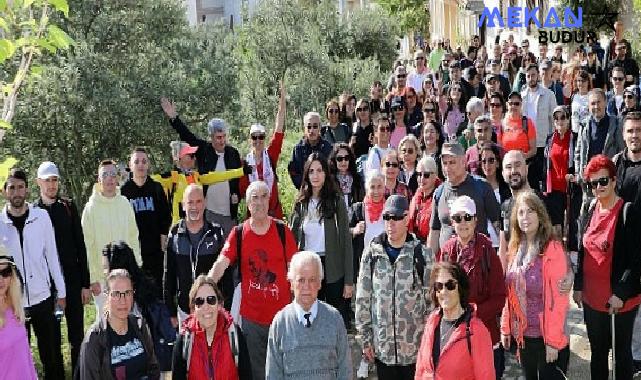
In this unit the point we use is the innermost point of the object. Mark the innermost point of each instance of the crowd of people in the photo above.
(445, 219)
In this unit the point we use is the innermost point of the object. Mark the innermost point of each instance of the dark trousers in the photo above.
(598, 325)
(535, 366)
(256, 336)
(394, 372)
(332, 293)
(74, 313)
(499, 361)
(153, 266)
(535, 169)
(47, 331)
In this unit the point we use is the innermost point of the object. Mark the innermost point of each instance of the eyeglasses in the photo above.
(495, 105)
(401, 76)
(362, 109)
(489, 160)
(407, 150)
(398, 108)
(429, 110)
(396, 218)
(562, 117)
(514, 103)
(603, 182)
(333, 110)
(313, 126)
(628, 96)
(106, 174)
(120, 295)
(449, 285)
(460, 218)
(211, 300)
(342, 158)
(258, 137)
(391, 164)
(618, 79)
(6, 272)
(384, 129)
(425, 175)
(419, 58)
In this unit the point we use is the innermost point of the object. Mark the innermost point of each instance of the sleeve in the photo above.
(276, 147)
(165, 182)
(492, 207)
(90, 357)
(424, 355)
(346, 238)
(493, 305)
(344, 354)
(51, 255)
(90, 242)
(220, 176)
(295, 168)
(505, 318)
(578, 149)
(371, 163)
(624, 288)
(290, 245)
(163, 210)
(178, 364)
(411, 224)
(482, 354)
(79, 242)
(363, 314)
(560, 303)
(229, 249)
(169, 282)
(186, 135)
(132, 234)
(274, 366)
(531, 130)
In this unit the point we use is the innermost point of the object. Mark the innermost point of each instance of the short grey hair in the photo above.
(301, 258)
(310, 115)
(371, 176)
(474, 104)
(191, 187)
(597, 91)
(255, 186)
(216, 125)
(411, 139)
(482, 119)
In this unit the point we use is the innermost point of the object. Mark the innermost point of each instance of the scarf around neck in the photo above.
(373, 209)
(268, 172)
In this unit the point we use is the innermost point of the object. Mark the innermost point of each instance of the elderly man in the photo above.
(310, 143)
(482, 135)
(307, 329)
(391, 295)
(262, 247)
(222, 197)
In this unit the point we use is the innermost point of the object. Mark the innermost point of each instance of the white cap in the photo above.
(48, 169)
(256, 128)
(463, 204)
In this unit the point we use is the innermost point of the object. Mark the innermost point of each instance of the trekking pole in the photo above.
(614, 355)
(566, 221)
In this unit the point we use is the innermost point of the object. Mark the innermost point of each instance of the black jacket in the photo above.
(207, 158)
(302, 150)
(70, 241)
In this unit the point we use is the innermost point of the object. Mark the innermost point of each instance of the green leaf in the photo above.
(7, 49)
(58, 37)
(5, 125)
(36, 70)
(3, 5)
(61, 5)
(42, 42)
(27, 3)
(3, 24)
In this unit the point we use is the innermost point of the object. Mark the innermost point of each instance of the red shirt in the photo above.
(420, 213)
(559, 157)
(513, 136)
(265, 289)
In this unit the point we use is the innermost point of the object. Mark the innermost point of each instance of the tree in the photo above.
(412, 15)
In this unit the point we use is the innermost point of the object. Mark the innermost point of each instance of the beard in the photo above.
(516, 183)
(17, 202)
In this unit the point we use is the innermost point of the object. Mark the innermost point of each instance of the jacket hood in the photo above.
(97, 197)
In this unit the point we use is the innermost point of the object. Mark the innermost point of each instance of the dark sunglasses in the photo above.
(258, 137)
(6, 272)
(449, 285)
(120, 295)
(495, 105)
(391, 164)
(199, 301)
(514, 103)
(396, 218)
(342, 158)
(429, 110)
(312, 126)
(362, 109)
(628, 96)
(398, 108)
(384, 129)
(419, 58)
(407, 150)
(562, 117)
(489, 160)
(401, 76)
(425, 175)
(333, 110)
(618, 79)
(460, 218)
(603, 182)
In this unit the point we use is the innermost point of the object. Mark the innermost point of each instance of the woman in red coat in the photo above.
(455, 343)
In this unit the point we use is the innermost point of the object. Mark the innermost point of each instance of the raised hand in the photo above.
(168, 107)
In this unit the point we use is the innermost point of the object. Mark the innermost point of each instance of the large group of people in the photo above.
(443, 220)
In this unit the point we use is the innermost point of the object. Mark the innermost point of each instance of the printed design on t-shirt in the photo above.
(262, 279)
(124, 353)
(142, 204)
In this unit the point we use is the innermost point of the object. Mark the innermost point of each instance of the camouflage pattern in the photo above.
(392, 305)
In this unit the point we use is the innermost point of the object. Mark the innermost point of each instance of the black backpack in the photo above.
(162, 332)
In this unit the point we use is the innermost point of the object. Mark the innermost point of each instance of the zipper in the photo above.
(194, 266)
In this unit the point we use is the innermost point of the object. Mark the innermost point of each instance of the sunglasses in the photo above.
(562, 117)
(425, 175)
(342, 158)
(120, 295)
(429, 110)
(407, 150)
(6, 272)
(514, 103)
(384, 129)
(449, 285)
(495, 105)
(401, 76)
(628, 96)
(391, 164)
(460, 218)
(199, 301)
(333, 110)
(258, 137)
(618, 79)
(603, 182)
(398, 108)
(362, 109)
(396, 218)
(489, 160)
(419, 58)
(106, 174)
(313, 126)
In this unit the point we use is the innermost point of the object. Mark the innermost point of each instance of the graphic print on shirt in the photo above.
(130, 350)
(142, 204)
(262, 279)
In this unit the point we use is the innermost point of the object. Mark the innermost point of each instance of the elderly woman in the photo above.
(391, 167)
(409, 151)
(15, 355)
(607, 278)
(367, 217)
(209, 329)
(421, 205)
(120, 345)
(455, 342)
(535, 311)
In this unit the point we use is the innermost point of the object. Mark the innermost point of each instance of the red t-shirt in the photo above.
(265, 289)
(559, 156)
(513, 136)
(597, 262)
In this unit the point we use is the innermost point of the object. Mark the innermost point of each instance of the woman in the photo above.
(15, 355)
(430, 113)
(120, 345)
(366, 221)
(413, 114)
(347, 104)
(429, 91)
(432, 143)
(420, 210)
(453, 110)
(319, 223)
(490, 169)
(363, 115)
(362, 131)
(409, 151)
(203, 349)
(455, 342)
(342, 165)
(399, 128)
(390, 166)
(519, 80)
(334, 131)
(497, 112)
(607, 277)
(579, 99)
(535, 311)
(474, 252)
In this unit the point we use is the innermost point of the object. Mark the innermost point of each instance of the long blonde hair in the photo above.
(14, 297)
(545, 231)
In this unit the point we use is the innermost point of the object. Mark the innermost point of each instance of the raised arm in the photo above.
(282, 108)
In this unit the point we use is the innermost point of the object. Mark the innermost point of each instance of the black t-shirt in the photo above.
(362, 136)
(128, 356)
(19, 222)
(629, 181)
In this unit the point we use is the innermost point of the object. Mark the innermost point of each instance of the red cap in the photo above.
(187, 149)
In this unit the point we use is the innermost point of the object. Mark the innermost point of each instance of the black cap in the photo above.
(396, 205)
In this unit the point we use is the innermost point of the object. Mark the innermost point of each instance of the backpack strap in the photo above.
(239, 236)
(468, 332)
(232, 333)
(524, 124)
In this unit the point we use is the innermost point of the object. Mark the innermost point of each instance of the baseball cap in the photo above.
(452, 149)
(48, 169)
(256, 128)
(463, 204)
(186, 149)
(396, 205)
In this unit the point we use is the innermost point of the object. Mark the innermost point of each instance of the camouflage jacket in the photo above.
(392, 302)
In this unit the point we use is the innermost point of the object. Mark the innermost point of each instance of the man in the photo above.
(543, 51)
(436, 56)
(474, 109)
(458, 182)
(377, 104)
(262, 247)
(223, 197)
(593, 67)
(192, 247)
(474, 79)
(558, 55)
(538, 105)
(72, 252)
(628, 164)
(517, 130)
(382, 135)
(629, 64)
(400, 87)
(312, 327)
(457, 76)
(615, 95)
(310, 143)
(28, 235)
(482, 135)
(610, 49)
(479, 65)
(153, 217)
(630, 101)
(496, 67)
(107, 217)
(415, 78)
(391, 295)
(545, 73)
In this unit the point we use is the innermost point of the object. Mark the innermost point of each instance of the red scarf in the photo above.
(373, 209)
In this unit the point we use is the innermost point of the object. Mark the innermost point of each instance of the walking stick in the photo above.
(614, 352)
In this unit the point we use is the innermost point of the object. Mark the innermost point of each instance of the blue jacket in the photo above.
(302, 150)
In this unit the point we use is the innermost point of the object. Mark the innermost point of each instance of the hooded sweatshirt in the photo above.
(106, 220)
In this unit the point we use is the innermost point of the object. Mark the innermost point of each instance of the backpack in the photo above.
(162, 332)
(524, 125)
(419, 264)
(188, 345)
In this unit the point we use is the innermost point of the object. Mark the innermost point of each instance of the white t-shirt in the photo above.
(415, 80)
(218, 194)
(314, 231)
(373, 229)
(376, 154)
(579, 110)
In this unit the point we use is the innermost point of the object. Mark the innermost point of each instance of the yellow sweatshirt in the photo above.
(105, 220)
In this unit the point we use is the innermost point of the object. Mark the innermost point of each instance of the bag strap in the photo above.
(524, 124)
(239, 236)
(232, 333)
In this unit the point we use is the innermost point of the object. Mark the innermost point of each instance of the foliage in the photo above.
(593, 12)
(412, 15)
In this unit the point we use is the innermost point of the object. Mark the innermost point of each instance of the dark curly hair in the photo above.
(458, 273)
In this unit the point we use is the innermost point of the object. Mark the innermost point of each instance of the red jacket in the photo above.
(456, 362)
(555, 303)
(420, 212)
(487, 281)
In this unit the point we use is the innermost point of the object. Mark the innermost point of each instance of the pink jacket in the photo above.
(456, 361)
(555, 304)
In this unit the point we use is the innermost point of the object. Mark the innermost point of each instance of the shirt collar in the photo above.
(300, 313)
